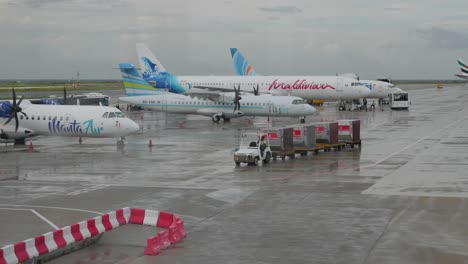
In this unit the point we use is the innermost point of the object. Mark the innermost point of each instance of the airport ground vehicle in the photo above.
(254, 147)
(399, 100)
(281, 142)
(75, 99)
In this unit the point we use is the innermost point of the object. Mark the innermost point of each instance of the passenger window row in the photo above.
(38, 117)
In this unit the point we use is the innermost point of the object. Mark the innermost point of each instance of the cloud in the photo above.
(36, 3)
(94, 35)
(281, 9)
(444, 38)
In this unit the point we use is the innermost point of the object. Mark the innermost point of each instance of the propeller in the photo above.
(237, 98)
(15, 109)
(64, 96)
(256, 90)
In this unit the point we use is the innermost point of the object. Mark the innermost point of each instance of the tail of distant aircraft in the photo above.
(241, 65)
(463, 68)
(133, 83)
(150, 66)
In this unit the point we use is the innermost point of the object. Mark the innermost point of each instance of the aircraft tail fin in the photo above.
(463, 66)
(149, 64)
(241, 65)
(133, 82)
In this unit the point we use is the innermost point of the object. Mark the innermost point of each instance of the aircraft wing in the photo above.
(219, 90)
(201, 93)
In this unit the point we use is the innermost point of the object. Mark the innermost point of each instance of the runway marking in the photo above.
(89, 189)
(43, 218)
(52, 207)
(413, 144)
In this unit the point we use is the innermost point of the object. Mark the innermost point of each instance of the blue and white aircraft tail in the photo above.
(154, 72)
(241, 65)
(134, 84)
(149, 64)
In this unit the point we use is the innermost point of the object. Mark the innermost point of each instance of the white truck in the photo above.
(254, 148)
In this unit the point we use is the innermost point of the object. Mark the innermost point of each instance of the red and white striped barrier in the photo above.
(60, 238)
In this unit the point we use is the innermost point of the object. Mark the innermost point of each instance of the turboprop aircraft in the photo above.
(216, 106)
(61, 120)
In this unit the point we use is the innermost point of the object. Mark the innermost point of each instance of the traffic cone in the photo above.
(180, 124)
(150, 143)
(30, 145)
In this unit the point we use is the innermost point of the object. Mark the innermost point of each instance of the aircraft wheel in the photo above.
(237, 163)
(215, 119)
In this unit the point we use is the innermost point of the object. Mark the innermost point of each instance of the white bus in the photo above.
(399, 100)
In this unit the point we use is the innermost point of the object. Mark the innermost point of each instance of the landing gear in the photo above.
(20, 142)
(302, 119)
(121, 142)
(216, 118)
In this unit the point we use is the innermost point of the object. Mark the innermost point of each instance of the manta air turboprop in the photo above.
(21, 119)
(378, 89)
(216, 106)
(306, 87)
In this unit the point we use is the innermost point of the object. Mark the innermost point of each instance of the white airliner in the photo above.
(306, 87)
(378, 89)
(216, 105)
(464, 69)
(20, 120)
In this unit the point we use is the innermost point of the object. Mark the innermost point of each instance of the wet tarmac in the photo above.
(402, 198)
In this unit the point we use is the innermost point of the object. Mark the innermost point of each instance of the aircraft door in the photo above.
(340, 86)
(163, 105)
(67, 120)
(272, 109)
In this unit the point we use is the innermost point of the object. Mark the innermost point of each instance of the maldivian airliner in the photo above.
(306, 87)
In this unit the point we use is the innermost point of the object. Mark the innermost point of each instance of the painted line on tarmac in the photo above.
(52, 207)
(44, 219)
(413, 144)
(89, 189)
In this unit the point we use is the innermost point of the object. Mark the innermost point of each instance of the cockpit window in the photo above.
(299, 102)
(111, 115)
(356, 84)
(105, 115)
(119, 114)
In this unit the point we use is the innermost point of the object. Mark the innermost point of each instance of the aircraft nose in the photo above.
(363, 91)
(310, 110)
(133, 127)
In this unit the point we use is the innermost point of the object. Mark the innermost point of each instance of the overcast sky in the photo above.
(409, 39)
